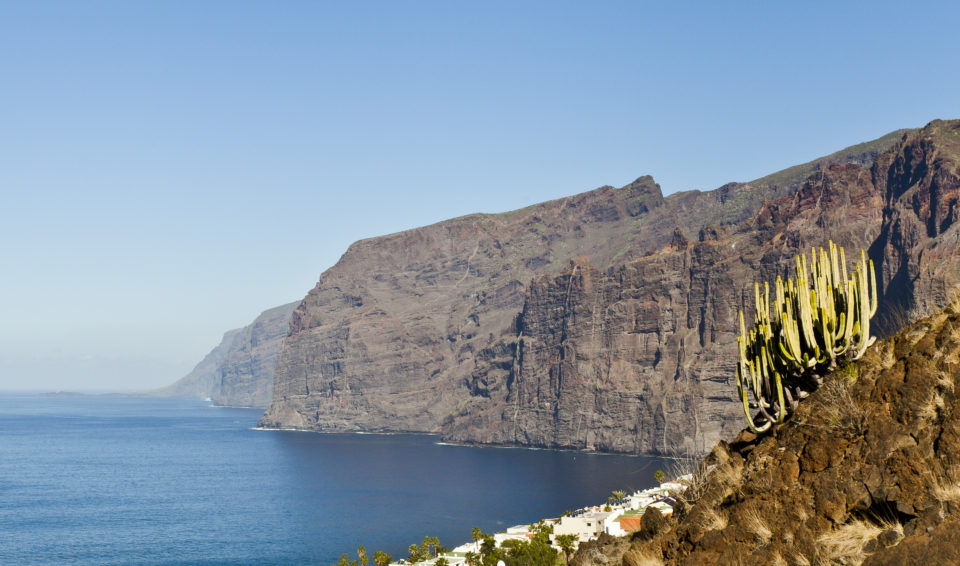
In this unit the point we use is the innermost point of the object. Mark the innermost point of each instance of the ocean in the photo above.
(90, 480)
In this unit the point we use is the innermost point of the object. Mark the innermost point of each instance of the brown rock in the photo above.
(882, 493)
(593, 322)
(652, 523)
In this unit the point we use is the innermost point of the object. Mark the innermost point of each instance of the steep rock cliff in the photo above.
(203, 381)
(589, 322)
(239, 371)
(640, 359)
(246, 372)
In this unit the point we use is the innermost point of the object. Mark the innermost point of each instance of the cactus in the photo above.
(820, 317)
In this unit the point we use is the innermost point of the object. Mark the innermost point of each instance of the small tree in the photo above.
(430, 546)
(566, 544)
(416, 554)
(381, 558)
(659, 476)
(476, 533)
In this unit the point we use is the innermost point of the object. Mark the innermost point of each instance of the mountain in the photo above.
(867, 472)
(239, 371)
(203, 381)
(605, 320)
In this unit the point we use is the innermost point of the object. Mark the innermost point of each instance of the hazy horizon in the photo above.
(173, 170)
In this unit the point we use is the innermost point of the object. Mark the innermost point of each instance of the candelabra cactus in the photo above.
(784, 358)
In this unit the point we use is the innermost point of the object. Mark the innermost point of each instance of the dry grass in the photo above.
(945, 491)
(695, 477)
(840, 411)
(644, 559)
(845, 545)
(756, 525)
(595, 557)
(714, 520)
(932, 408)
(800, 560)
(778, 560)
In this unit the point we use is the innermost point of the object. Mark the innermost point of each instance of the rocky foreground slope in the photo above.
(603, 321)
(868, 471)
(239, 371)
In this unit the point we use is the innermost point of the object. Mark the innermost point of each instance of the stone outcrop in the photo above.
(603, 321)
(867, 472)
(239, 371)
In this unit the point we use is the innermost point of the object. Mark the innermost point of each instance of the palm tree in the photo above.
(477, 534)
(416, 554)
(566, 542)
(362, 555)
(381, 558)
(429, 546)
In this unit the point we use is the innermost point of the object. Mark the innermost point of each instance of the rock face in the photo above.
(239, 371)
(246, 372)
(638, 359)
(204, 380)
(604, 321)
(868, 471)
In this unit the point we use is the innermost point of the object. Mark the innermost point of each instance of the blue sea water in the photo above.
(122, 480)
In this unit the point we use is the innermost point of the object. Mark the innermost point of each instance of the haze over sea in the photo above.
(124, 480)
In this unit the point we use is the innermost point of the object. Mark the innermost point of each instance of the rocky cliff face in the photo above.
(203, 381)
(867, 472)
(239, 371)
(603, 321)
(246, 372)
(638, 359)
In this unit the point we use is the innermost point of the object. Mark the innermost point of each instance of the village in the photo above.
(619, 517)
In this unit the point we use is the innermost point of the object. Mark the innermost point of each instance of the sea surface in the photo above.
(120, 480)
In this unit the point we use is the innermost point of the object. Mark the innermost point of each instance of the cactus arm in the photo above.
(819, 317)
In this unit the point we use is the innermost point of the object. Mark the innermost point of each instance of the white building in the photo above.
(586, 526)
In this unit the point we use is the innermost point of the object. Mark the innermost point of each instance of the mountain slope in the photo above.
(599, 321)
(640, 358)
(867, 471)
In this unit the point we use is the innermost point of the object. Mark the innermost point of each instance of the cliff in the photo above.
(239, 371)
(246, 372)
(603, 321)
(203, 381)
(867, 472)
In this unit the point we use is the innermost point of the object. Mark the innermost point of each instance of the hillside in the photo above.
(867, 472)
(602, 321)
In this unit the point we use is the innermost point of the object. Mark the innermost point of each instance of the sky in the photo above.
(170, 169)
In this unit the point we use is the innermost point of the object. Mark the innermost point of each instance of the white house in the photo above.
(586, 526)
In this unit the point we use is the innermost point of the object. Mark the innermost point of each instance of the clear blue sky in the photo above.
(171, 169)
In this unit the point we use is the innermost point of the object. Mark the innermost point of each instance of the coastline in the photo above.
(587, 523)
